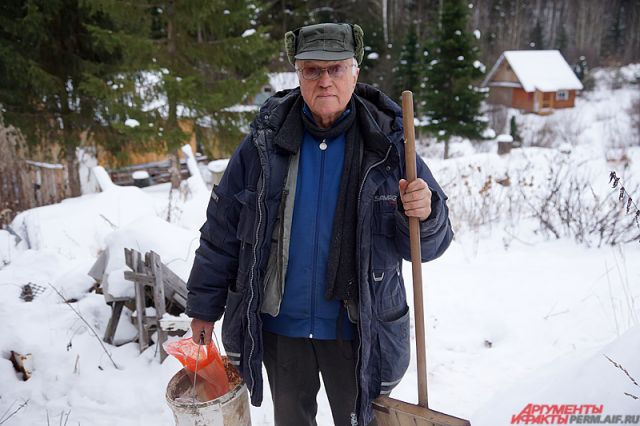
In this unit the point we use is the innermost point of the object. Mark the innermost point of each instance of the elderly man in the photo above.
(304, 239)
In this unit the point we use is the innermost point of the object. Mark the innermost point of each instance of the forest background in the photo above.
(77, 73)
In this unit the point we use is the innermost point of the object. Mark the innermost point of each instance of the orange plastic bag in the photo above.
(212, 381)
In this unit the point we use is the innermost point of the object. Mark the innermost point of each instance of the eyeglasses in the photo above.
(313, 73)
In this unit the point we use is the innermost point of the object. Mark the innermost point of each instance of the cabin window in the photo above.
(562, 95)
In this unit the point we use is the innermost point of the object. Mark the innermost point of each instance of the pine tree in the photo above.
(451, 102)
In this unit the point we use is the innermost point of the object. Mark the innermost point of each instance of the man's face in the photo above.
(328, 96)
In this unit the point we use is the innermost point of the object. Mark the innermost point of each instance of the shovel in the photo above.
(389, 411)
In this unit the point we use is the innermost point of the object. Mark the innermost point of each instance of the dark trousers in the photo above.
(293, 365)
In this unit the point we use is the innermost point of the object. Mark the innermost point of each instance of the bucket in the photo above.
(231, 409)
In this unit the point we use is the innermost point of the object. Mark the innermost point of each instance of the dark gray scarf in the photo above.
(342, 275)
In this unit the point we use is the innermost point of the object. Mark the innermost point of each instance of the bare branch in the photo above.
(3, 419)
(87, 323)
(620, 367)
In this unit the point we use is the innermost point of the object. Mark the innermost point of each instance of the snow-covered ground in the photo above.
(515, 316)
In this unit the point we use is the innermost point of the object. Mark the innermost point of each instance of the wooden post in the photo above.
(416, 257)
(143, 335)
(155, 265)
(116, 312)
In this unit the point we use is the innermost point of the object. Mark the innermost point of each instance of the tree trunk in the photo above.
(71, 141)
(172, 120)
(446, 149)
(73, 174)
(174, 170)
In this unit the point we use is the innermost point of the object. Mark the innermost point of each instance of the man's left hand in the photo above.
(416, 198)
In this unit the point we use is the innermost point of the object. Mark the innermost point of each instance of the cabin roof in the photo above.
(543, 70)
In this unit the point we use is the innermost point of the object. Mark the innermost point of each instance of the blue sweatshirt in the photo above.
(304, 311)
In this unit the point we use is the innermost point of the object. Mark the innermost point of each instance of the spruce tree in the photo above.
(615, 36)
(562, 41)
(452, 103)
(536, 39)
(207, 56)
(53, 53)
(129, 76)
(409, 75)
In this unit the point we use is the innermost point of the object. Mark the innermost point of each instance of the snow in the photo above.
(243, 108)
(373, 56)
(131, 122)
(488, 133)
(543, 70)
(476, 34)
(504, 138)
(174, 244)
(195, 182)
(514, 317)
(78, 227)
(44, 165)
(218, 166)
(7, 247)
(140, 174)
(249, 32)
(283, 81)
(479, 65)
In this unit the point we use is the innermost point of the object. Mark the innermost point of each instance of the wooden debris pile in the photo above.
(156, 286)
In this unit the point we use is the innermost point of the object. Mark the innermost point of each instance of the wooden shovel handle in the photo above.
(414, 235)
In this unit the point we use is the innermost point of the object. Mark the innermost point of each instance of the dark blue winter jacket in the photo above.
(305, 311)
(230, 264)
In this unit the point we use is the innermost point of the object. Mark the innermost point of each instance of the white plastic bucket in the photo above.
(231, 409)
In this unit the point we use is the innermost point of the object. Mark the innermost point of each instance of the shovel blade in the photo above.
(392, 412)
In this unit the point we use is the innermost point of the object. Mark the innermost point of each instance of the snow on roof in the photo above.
(543, 70)
(283, 80)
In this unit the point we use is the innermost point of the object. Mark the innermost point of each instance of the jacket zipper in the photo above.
(252, 274)
(354, 415)
(315, 241)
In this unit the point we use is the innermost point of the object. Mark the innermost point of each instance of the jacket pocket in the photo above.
(233, 327)
(246, 229)
(247, 219)
(384, 252)
(389, 296)
(394, 341)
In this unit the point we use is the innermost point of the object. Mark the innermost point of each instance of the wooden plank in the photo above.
(174, 282)
(116, 311)
(392, 412)
(143, 335)
(180, 301)
(137, 277)
(154, 263)
(128, 257)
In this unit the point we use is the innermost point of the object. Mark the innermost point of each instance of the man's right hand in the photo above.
(199, 326)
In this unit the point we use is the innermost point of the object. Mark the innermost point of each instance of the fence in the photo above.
(26, 184)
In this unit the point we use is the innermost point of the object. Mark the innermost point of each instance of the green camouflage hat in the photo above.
(325, 42)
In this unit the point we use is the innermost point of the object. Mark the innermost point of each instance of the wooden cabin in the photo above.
(536, 81)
